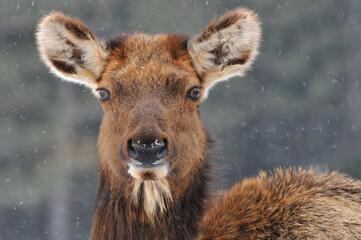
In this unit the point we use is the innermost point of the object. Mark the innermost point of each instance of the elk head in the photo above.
(150, 87)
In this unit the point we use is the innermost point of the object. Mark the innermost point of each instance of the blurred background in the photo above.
(299, 106)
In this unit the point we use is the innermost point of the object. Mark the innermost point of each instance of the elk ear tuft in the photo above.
(70, 49)
(227, 47)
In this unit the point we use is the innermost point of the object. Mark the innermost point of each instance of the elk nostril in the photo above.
(132, 152)
(163, 150)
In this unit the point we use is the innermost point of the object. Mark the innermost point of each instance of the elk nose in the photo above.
(147, 153)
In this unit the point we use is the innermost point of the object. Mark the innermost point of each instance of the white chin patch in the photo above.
(155, 172)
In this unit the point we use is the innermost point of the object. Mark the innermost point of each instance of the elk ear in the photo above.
(227, 47)
(70, 49)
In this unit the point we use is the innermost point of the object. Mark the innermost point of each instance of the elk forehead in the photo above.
(147, 77)
(148, 61)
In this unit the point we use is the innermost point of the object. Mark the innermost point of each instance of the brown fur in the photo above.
(290, 204)
(148, 79)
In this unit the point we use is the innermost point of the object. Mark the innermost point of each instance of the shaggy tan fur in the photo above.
(155, 195)
(289, 204)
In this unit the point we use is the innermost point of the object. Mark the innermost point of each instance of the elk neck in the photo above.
(118, 216)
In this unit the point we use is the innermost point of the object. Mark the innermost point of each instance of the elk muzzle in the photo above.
(147, 153)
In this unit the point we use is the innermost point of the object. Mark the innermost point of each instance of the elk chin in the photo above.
(153, 172)
(151, 188)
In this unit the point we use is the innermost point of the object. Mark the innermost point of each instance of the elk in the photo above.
(153, 149)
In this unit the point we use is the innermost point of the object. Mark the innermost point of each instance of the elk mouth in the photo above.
(154, 171)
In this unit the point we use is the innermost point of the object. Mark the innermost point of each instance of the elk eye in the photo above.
(193, 93)
(104, 94)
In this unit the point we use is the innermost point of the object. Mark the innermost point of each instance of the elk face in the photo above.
(151, 128)
(150, 88)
